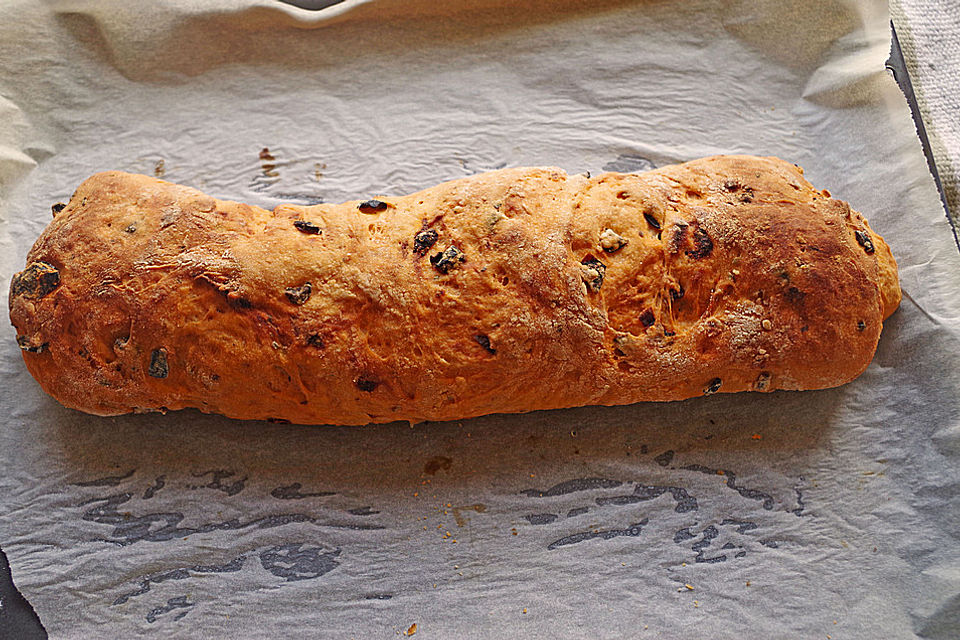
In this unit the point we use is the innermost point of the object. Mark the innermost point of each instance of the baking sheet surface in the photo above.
(791, 514)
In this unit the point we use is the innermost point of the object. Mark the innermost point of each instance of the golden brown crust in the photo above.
(726, 274)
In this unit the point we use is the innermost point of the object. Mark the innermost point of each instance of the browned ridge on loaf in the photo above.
(508, 291)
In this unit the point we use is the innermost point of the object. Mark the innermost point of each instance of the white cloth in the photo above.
(929, 33)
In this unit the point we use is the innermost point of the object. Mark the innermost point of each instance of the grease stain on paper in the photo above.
(572, 486)
(292, 492)
(436, 464)
(633, 530)
(216, 482)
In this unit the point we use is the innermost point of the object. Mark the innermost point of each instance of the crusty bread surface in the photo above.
(509, 291)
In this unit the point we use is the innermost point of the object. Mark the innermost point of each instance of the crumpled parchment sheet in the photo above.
(831, 513)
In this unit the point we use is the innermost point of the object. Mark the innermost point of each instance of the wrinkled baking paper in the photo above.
(831, 513)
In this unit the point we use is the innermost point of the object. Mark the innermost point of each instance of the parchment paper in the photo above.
(831, 514)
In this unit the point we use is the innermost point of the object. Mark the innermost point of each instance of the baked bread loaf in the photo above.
(509, 291)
